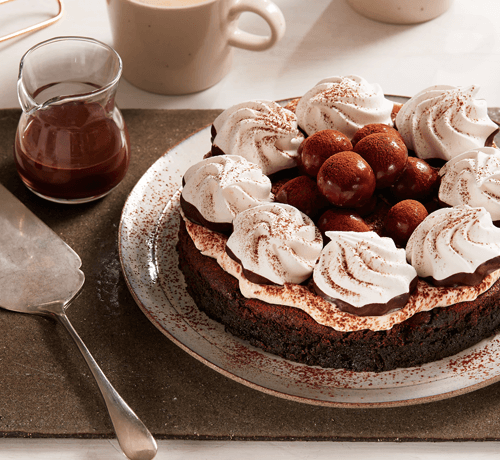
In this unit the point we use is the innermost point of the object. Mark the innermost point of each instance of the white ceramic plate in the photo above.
(147, 239)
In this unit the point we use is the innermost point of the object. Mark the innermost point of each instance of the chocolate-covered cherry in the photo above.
(315, 149)
(302, 193)
(373, 128)
(341, 220)
(281, 178)
(402, 219)
(386, 154)
(417, 182)
(346, 180)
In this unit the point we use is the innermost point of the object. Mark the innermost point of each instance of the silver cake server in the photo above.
(40, 274)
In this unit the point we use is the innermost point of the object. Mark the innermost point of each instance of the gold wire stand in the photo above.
(38, 26)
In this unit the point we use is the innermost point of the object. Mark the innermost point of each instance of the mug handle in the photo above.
(268, 11)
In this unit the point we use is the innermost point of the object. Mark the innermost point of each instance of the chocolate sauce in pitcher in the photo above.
(73, 150)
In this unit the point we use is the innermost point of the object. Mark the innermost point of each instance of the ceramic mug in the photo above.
(400, 11)
(185, 46)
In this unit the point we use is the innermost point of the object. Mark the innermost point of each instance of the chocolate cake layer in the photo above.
(292, 334)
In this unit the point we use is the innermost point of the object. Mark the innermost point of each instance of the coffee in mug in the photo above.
(185, 46)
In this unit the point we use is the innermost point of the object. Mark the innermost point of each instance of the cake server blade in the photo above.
(40, 274)
(36, 266)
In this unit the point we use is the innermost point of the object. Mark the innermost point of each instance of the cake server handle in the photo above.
(134, 438)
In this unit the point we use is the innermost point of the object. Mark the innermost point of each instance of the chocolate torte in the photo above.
(291, 333)
(277, 268)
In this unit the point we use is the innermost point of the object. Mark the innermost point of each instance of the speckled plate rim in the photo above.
(147, 237)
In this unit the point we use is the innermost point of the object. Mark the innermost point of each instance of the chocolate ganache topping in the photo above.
(275, 244)
(364, 274)
(473, 178)
(455, 246)
(218, 188)
(345, 104)
(263, 132)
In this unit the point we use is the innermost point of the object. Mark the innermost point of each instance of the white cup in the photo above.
(184, 46)
(400, 11)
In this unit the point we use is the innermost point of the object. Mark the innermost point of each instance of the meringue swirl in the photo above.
(473, 178)
(345, 104)
(222, 186)
(452, 241)
(263, 132)
(443, 121)
(362, 269)
(276, 242)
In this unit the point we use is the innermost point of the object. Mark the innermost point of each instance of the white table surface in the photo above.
(323, 38)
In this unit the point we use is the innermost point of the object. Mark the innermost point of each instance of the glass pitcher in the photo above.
(72, 145)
